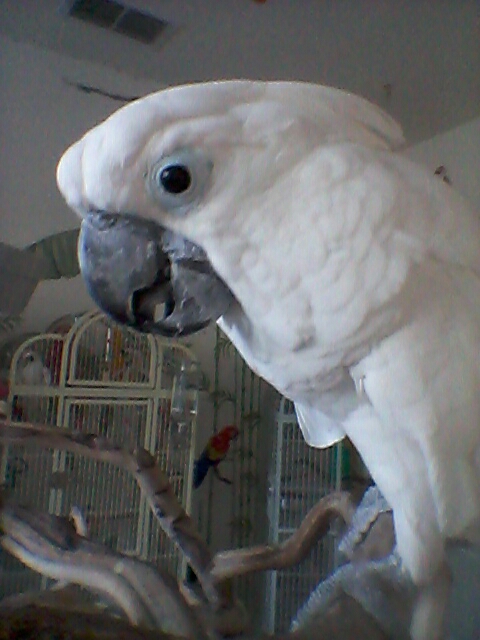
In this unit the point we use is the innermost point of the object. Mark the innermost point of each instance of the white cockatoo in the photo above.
(347, 276)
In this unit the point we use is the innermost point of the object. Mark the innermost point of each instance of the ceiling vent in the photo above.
(116, 17)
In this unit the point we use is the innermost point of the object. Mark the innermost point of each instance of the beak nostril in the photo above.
(102, 220)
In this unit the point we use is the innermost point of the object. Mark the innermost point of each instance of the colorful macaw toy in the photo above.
(215, 451)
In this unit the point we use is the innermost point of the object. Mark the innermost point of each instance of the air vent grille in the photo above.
(114, 16)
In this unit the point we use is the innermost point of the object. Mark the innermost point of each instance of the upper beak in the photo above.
(148, 277)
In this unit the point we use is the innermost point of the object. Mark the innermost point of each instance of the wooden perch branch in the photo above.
(51, 546)
(32, 622)
(172, 517)
(315, 525)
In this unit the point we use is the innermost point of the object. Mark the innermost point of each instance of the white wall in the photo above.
(459, 151)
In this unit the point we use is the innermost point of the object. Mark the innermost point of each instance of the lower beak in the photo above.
(148, 277)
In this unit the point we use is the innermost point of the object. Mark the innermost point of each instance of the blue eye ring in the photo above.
(179, 180)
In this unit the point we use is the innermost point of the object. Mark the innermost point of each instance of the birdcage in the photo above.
(135, 389)
(300, 476)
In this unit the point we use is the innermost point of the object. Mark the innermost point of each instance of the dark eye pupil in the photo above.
(175, 178)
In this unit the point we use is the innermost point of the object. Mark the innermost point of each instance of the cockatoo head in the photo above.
(177, 191)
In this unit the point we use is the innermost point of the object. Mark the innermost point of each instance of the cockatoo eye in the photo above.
(175, 178)
(178, 181)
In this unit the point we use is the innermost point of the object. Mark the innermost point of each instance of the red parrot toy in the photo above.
(215, 451)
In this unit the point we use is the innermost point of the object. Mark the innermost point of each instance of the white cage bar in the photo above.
(300, 476)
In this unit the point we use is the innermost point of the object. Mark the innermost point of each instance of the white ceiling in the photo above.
(427, 51)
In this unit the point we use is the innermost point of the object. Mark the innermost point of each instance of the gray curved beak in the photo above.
(148, 277)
